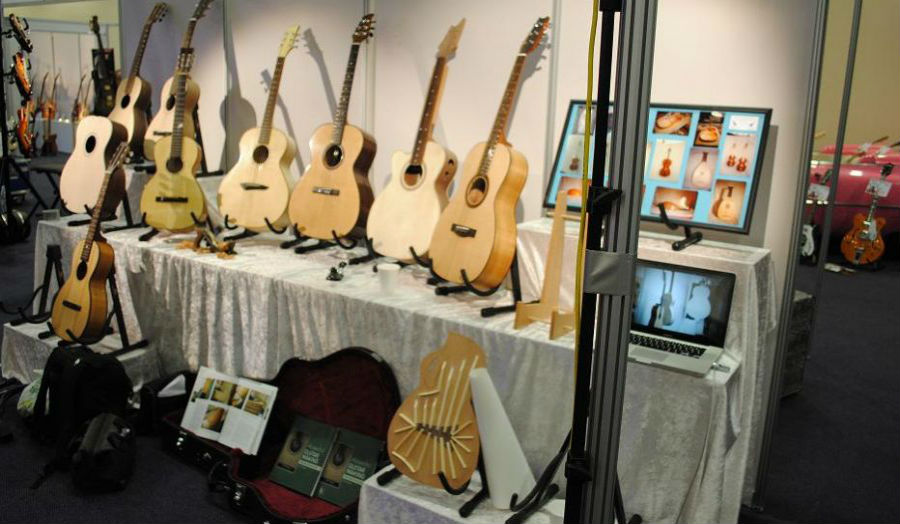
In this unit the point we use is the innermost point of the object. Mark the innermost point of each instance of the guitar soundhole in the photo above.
(333, 155)
(476, 191)
(170, 102)
(174, 165)
(81, 271)
(125, 101)
(260, 154)
(90, 144)
(412, 176)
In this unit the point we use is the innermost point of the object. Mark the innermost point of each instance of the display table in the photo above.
(751, 337)
(249, 314)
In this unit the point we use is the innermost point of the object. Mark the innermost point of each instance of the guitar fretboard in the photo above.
(429, 112)
(340, 117)
(265, 132)
(138, 57)
(178, 123)
(498, 132)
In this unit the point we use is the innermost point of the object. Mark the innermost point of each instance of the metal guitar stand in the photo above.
(126, 210)
(690, 237)
(52, 266)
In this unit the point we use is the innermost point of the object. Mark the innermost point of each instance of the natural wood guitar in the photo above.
(161, 125)
(333, 196)
(475, 239)
(255, 192)
(133, 95)
(81, 180)
(173, 200)
(406, 211)
(435, 432)
(80, 307)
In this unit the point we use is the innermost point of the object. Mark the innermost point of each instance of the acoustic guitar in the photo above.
(405, 213)
(96, 139)
(724, 208)
(48, 113)
(80, 306)
(434, 432)
(173, 200)
(133, 96)
(255, 192)
(333, 196)
(104, 74)
(161, 125)
(863, 244)
(475, 238)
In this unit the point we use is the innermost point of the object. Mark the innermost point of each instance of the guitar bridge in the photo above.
(463, 231)
(171, 200)
(329, 191)
(249, 186)
(71, 305)
(162, 133)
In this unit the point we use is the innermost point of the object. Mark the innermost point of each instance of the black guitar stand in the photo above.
(198, 136)
(52, 266)
(126, 210)
(107, 328)
(690, 237)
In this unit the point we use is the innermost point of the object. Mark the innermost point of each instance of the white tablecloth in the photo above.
(751, 329)
(247, 315)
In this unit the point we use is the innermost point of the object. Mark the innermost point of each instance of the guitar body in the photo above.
(334, 199)
(79, 183)
(170, 183)
(161, 125)
(131, 111)
(80, 305)
(857, 247)
(23, 132)
(404, 214)
(487, 255)
(258, 187)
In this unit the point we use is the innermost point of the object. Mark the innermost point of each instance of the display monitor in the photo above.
(702, 164)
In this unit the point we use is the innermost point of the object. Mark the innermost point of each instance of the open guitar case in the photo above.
(353, 389)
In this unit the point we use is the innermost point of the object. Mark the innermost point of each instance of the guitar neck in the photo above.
(340, 117)
(498, 132)
(178, 122)
(138, 56)
(92, 232)
(266, 130)
(429, 112)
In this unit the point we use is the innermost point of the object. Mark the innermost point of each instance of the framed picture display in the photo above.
(702, 164)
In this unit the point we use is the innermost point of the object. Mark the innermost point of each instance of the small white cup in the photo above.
(387, 276)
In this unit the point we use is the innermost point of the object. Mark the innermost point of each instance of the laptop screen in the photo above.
(682, 302)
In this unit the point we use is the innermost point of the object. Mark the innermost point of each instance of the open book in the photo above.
(233, 411)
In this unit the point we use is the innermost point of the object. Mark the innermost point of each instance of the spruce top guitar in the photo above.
(173, 200)
(405, 213)
(96, 139)
(474, 241)
(161, 125)
(133, 95)
(79, 309)
(48, 113)
(333, 196)
(255, 192)
(104, 74)
(863, 244)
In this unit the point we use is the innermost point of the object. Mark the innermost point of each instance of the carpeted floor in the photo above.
(836, 453)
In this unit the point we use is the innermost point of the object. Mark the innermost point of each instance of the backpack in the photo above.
(76, 386)
(105, 457)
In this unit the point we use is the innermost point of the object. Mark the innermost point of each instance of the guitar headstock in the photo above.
(200, 9)
(43, 87)
(289, 41)
(160, 10)
(20, 32)
(886, 170)
(94, 24)
(533, 40)
(451, 40)
(120, 156)
(364, 29)
(185, 61)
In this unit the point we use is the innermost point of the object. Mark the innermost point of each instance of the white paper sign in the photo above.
(743, 123)
(879, 188)
(818, 192)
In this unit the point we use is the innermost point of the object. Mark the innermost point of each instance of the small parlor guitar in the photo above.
(863, 244)
(333, 196)
(435, 433)
(161, 125)
(104, 75)
(474, 241)
(80, 181)
(133, 95)
(405, 213)
(173, 200)
(79, 309)
(255, 193)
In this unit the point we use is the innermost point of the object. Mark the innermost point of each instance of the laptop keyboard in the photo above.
(670, 346)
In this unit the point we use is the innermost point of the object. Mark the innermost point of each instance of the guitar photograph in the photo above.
(333, 196)
(161, 124)
(406, 211)
(133, 96)
(863, 244)
(255, 193)
(172, 199)
(80, 306)
(96, 139)
(474, 241)
(104, 74)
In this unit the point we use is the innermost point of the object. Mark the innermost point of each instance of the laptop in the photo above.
(679, 316)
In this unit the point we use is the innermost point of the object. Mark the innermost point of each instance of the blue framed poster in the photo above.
(702, 164)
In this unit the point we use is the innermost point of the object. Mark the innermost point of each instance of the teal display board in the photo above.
(702, 164)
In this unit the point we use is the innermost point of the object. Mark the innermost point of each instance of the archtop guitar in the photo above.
(405, 213)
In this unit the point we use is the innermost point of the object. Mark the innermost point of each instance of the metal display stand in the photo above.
(52, 266)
